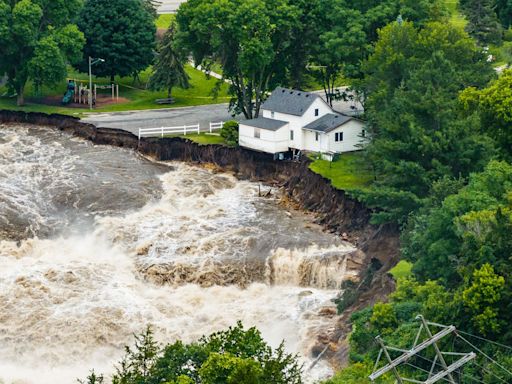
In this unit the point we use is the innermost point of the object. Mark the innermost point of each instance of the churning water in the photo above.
(97, 242)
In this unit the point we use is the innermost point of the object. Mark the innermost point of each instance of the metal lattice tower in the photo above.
(436, 374)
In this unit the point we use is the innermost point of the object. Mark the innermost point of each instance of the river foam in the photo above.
(182, 248)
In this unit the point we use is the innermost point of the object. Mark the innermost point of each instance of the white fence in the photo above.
(184, 129)
(214, 126)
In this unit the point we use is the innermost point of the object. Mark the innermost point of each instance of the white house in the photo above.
(294, 121)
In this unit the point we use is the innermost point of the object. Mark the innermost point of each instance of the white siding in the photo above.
(351, 137)
(297, 122)
(269, 141)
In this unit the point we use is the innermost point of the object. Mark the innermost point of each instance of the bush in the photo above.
(507, 35)
(229, 132)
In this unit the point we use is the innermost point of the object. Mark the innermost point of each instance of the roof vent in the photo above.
(291, 92)
(298, 94)
(284, 91)
(307, 95)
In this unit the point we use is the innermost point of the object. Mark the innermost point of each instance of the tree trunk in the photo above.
(169, 90)
(20, 101)
(112, 79)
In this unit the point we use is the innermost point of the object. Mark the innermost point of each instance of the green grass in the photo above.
(205, 138)
(138, 97)
(164, 21)
(402, 270)
(348, 173)
(456, 17)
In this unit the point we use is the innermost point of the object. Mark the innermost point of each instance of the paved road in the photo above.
(132, 121)
(169, 6)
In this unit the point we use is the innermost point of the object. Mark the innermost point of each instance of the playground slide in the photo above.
(70, 93)
(68, 97)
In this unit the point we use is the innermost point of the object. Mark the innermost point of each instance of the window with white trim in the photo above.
(317, 135)
(317, 112)
(363, 133)
(272, 114)
(257, 133)
(291, 135)
(338, 136)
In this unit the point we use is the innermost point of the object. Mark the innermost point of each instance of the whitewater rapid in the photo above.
(98, 242)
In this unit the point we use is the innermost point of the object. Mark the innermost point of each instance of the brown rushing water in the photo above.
(97, 242)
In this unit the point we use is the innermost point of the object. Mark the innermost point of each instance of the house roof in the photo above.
(328, 122)
(264, 123)
(289, 101)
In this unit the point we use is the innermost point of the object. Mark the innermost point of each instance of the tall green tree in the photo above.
(37, 41)
(504, 10)
(340, 47)
(483, 23)
(418, 134)
(169, 69)
(121, 32)
(249, 38)
(493, 105)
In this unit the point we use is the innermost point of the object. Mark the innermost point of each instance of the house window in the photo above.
(363, 133)
(291, 135)
(338, 136)
(317, 112)
(257, 133)
(272, 114)
(316, 136)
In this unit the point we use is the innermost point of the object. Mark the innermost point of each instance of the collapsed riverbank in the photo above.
(335, 211)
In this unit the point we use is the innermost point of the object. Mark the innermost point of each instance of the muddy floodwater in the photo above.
(97, 242)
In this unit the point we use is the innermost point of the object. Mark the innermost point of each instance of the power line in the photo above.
(484, 354)
(490, 372)
(486, 340)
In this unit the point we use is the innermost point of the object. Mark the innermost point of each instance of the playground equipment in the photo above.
(78, 92)
(70, 92)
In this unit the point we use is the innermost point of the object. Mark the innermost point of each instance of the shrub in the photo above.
(229, 132)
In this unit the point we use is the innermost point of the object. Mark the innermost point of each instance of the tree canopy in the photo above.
(37, 41)
(483, 23)
(249, 38)
(121, 32)
(233, 356)
(418, 134)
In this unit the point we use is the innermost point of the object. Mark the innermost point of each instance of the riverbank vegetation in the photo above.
(234, 356)
(348, 172)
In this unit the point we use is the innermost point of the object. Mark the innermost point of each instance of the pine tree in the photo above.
(483, 23)
(169, 69)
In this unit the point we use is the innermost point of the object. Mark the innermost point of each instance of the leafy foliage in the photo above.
(229, 132)
(228, 357)
(493, 105)
(122, 32)
(419, 135)
(37, 41)
(249, 38)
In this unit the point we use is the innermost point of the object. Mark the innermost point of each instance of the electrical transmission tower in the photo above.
(439, 369)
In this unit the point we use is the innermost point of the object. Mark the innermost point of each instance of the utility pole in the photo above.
(434, 376)
(91, 63)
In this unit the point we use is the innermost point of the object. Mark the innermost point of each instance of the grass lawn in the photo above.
(204, 138)
(401, 270)
(456, 17)
(138, 97)
(348, 173)
(164, 21)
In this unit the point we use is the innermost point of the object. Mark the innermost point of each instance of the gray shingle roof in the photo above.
(264, 123)
(328, 122)
(289, 101)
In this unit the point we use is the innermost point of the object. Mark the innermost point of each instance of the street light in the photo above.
(91, 63)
